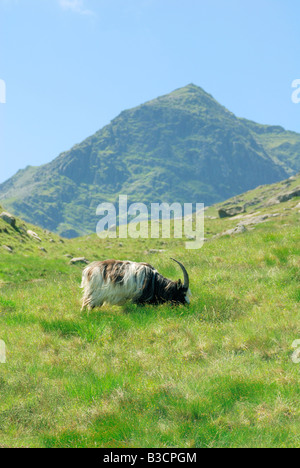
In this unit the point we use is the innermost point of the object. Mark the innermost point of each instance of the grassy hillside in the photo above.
(215, 374)
(182, 147)
(284, 146)
(261, 200)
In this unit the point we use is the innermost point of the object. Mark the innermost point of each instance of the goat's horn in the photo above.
(186, 276)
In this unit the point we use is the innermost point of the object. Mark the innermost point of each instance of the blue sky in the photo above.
(71, 66)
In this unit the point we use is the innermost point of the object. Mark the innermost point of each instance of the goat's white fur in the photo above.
(99, 291)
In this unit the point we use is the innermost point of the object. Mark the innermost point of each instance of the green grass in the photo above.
(215, 374)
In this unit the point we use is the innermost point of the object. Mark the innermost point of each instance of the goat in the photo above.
(116, 282)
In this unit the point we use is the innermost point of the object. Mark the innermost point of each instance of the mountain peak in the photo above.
(191, 87)
(189, 98)
(183, 146)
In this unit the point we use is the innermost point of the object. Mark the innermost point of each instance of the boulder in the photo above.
(289, 195)
(239, 229)
(230, 212)
(247, 216)
(7, 248)
(8, 218)
(80, 260)
(284, 197)
(257, 219)
(34, 235)
(253, 202)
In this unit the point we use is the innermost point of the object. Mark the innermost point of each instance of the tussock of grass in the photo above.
(66, 328)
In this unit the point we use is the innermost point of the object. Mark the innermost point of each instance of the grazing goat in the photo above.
(116, 282)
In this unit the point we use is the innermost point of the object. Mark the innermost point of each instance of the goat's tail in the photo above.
(84, 280)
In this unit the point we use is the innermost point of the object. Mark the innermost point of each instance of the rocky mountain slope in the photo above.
(182, 147)
(277, 203)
